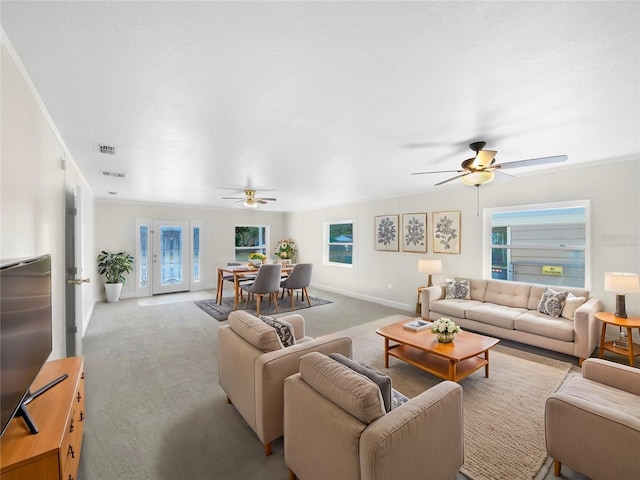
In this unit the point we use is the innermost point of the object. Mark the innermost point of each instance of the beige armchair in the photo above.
(592, 424)
(253, 365)
(335, 426)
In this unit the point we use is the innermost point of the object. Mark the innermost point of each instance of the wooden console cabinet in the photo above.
(59, 414)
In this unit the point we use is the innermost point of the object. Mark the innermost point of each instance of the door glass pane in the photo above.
(196, 254)
(144, 256)
(171, 255)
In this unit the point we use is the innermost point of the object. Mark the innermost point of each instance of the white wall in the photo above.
(115, 229)
(32, 208)
(612, 188)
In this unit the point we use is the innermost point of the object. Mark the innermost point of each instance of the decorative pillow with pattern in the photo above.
(458, 289)
(552, 302)
(283, 329)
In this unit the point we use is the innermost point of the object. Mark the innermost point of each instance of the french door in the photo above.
(171, 256)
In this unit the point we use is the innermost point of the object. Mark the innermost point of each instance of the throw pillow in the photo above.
(552, 302)
(458, 289)
(380, 379)
(283, 329)
(571, 305)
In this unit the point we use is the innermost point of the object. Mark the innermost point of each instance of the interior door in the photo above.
(73, 272)
(171, 254)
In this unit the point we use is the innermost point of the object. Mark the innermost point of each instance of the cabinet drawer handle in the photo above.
(81, 416)
(71, 426)
(71, 452)
(79, 397)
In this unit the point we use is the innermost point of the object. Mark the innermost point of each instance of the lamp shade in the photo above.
(430, 267)
(478, 178)
(622, 282)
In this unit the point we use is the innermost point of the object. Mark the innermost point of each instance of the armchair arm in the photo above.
(428, 295)
(622, 377)
(271, 369)
(394, 446)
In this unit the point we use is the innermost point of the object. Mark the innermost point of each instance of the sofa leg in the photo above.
(267, 449)
(580, 360)
(292, 476)
(557, 466)
(229, 401)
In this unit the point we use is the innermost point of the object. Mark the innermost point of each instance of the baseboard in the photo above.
(368, 298)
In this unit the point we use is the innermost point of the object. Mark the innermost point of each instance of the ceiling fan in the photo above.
(250, 200)
(479, 170)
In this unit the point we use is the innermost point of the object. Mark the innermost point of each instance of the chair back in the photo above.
(267, 280)
(300, 276)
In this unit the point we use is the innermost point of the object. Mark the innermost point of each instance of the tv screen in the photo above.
(25, 328)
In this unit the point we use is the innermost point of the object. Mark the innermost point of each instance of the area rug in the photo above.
(221, 312)
(503, 414)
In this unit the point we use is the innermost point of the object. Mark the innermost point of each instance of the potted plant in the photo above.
(114, 266)
(286, 249)
(256, 258)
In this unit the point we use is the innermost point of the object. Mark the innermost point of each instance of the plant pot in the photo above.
(445, 337)
(113, 291)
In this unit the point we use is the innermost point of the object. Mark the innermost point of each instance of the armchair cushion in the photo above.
(383, 381)
(284, 329)
(349, 390)
(255, 331)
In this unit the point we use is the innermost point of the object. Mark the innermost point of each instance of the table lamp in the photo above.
(621, 283)
(430, 267)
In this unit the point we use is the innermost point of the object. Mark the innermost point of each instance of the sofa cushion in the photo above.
(283, 329)
(509, 294)
(349, 390)
(603, 395)
(493, 314)
(552, 302)
(478, 289)
(254, 331)
(452, 308)
(540, 324)
(383, 381)
(458, 289)
(571, 305)
(538, 290)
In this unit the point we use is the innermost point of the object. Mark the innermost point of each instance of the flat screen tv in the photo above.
(25, 333)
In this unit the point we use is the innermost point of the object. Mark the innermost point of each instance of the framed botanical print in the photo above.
(446, 232)
(414, 232)
(387, 232)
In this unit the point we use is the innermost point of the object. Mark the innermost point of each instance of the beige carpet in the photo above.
(504, 414)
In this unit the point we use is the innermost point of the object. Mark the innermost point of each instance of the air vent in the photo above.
(113, 174)
(107, 149)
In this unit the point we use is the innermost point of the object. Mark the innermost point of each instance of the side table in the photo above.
(629, 323)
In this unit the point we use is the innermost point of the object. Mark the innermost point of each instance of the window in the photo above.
(250, 239)
(195, 253)
(339, 243)
(547, 244)
(143, 256)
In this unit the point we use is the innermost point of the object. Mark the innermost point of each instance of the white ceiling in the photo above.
(320, 103)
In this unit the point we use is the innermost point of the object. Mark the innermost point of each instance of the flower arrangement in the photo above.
(285, 249)
(445, 329)
(257, 256)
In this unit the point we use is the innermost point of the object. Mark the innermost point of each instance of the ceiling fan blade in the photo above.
(483, 159)
(259, 200)
(232, 198)
(438, 171)
(268, 199)
(500, 171)
(452, 178)
(532, 161)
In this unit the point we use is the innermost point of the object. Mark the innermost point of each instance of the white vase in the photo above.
(113, 291)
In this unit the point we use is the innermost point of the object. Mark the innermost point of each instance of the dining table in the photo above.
(239, 272)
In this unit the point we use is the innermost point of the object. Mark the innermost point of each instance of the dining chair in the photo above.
(267, 282)
(298, 279)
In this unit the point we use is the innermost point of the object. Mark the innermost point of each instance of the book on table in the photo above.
(417, 325)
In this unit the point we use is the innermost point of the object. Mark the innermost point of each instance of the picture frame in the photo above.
(414, 232)
(386, 233)
(446, 232)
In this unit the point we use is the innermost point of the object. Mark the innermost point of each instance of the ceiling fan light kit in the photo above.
(478, 178)
(250, 200)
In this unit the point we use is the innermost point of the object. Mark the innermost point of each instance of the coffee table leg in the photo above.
(486, 367)
(386, 352)
(452, 370)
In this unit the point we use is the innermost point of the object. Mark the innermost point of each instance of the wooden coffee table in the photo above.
(451, 361)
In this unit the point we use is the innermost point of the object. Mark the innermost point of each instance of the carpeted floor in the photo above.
(221, 312)
(502, 413)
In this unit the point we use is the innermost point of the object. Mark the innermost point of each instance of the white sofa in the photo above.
(509, 310)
